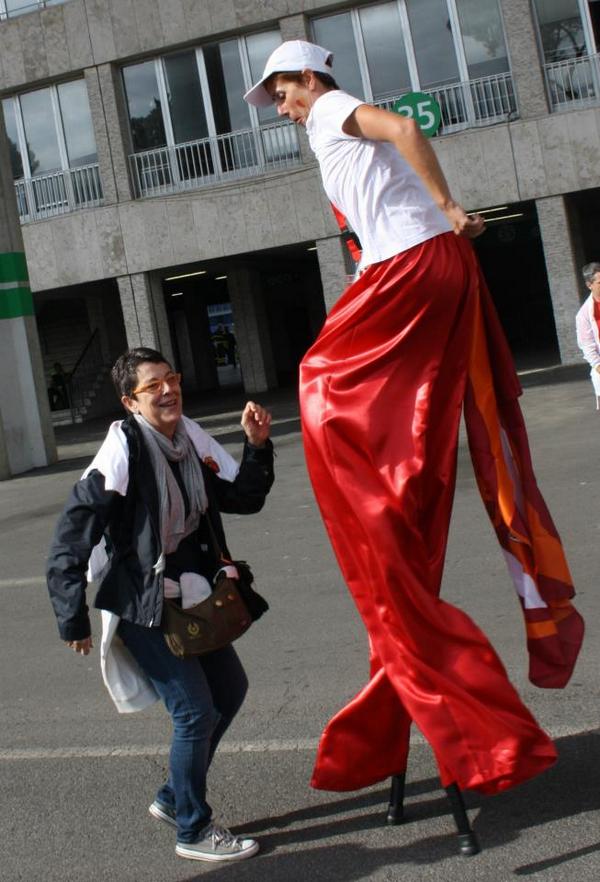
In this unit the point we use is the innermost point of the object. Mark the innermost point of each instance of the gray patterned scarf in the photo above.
(174, 526)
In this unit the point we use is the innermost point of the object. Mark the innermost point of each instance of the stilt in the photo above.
(467, 839)
(395, 812)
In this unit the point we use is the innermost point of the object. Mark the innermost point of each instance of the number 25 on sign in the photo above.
(424, 109)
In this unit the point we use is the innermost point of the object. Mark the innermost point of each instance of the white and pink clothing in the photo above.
(588, 340)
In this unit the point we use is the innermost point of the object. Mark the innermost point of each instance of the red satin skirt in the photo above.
(382, 392)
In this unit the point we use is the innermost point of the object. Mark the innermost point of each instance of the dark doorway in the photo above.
(512, 258)
(202, 328)
(295, 306)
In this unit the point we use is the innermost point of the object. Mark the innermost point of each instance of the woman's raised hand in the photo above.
(256, 423)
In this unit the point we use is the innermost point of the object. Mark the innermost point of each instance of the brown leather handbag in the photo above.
(209, 625)
(220, 619)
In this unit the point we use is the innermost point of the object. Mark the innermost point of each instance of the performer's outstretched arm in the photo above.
(376, 124)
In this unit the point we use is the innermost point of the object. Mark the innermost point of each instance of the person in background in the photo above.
(587, 325)
(142, 517)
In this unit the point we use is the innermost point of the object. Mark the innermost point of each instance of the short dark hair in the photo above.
(589, 271)
(124, 370)
(296, 77)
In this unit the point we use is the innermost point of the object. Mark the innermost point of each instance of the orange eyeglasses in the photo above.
(155, 386)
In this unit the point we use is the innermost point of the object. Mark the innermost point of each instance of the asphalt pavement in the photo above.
(76, 778)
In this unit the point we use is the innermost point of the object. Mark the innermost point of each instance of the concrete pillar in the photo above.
(251, 329)
(525, 58)
(201, 349)
(560, 254)
(26, 433)
(97, 320)
(99, 122)
(294, 27)
(144, 313)
(116, 126)
(333, 264)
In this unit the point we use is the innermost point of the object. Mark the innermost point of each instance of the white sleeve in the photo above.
(585, 336)
(333, 113)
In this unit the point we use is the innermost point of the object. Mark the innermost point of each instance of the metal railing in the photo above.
(58, 193)
(229, 157)
(574, 82)
(84, 374)
(32, 6)
(473, 103)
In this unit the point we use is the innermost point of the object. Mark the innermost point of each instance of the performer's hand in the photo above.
(82, 647)
(256, 423)
(463, 224)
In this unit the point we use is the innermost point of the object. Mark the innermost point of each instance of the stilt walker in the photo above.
(413, 340)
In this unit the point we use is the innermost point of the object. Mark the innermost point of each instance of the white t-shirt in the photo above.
(383, 199)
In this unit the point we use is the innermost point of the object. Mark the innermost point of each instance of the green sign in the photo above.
(15, 293)
(423, 109)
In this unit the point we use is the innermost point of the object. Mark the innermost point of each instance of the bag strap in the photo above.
(215, 541)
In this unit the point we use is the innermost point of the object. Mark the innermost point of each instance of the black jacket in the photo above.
(128, 585)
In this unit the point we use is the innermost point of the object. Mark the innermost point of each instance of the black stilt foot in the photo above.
(395, 812)
(467, 840)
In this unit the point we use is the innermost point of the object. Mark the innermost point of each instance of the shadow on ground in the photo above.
(571, 788)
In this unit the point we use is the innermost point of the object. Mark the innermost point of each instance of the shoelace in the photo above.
(219, 834)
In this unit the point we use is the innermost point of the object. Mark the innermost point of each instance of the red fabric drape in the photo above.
(381, 396)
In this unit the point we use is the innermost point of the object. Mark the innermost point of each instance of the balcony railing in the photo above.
(481, 102)
(10, 9)
(58, 193)
(229, 157)
(574, 82)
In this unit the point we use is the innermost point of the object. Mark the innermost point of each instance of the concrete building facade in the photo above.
(157, 209)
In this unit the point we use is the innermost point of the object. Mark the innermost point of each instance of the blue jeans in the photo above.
(202, 695)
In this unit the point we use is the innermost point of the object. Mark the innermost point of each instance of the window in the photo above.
(52, 149)
(454, 49)
(391, 48)
(197, 94)
(258, 48)
(433, 42)
(189, 122)
(16, 162)
(145, 112)
(336, 32)
(10, 8)
(561, 29)
(186, 106)
(567, 30)
(482, 37)
(77, 123)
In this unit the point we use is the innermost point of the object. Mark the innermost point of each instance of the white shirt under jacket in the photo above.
(127, 684)
(588, 340)
(383, 199)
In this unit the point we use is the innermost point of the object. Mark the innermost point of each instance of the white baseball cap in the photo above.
(292, 56)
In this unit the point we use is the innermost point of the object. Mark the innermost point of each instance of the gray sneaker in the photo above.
(217, 843)
(163, 812)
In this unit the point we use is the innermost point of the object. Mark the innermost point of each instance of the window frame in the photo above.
(415, 84)
(63, 153)
(33, 6)
(163, 91)
(54, 192)
(586, 24)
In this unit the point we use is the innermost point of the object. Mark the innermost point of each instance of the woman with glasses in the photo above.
(143, 518)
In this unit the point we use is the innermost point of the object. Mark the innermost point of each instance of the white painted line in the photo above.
(26, 582)
(275, 746)
(284, 745)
